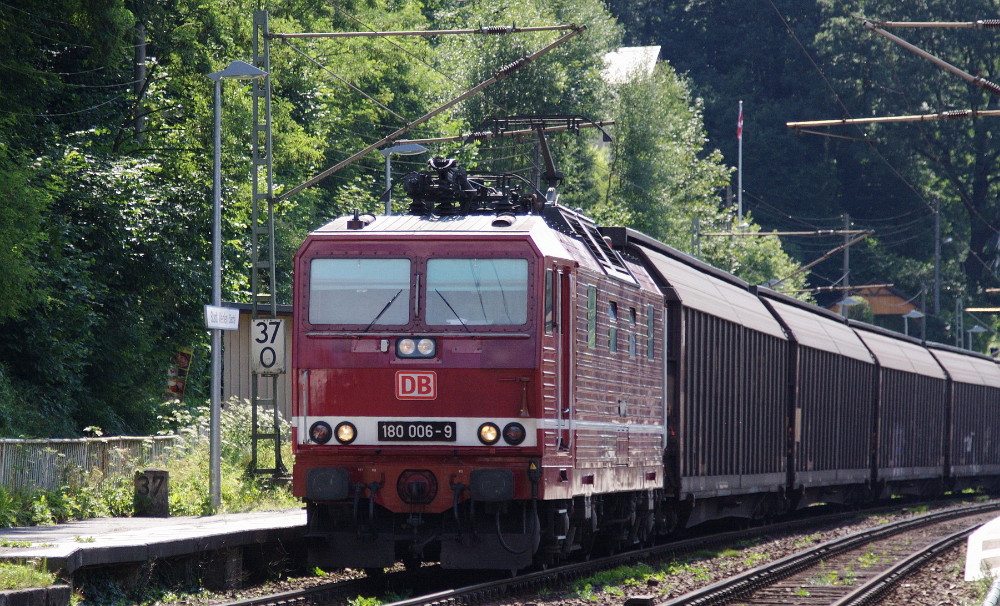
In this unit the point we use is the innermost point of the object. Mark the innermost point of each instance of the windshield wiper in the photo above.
(387, 306)
(452, 310)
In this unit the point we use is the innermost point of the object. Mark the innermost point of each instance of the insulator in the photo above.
(988, 24)
(495, 29)
(507, 69)
(987, 85)
(956, 114)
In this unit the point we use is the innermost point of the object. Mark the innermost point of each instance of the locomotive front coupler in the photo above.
(457, 490)
(373, 489)
(356, 502)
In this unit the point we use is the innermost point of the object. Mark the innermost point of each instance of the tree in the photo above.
(956, 160)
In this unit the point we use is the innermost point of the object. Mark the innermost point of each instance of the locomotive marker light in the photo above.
(514, 433)
(237, 70)
(346, 432)
(489, 433)
(321, 433)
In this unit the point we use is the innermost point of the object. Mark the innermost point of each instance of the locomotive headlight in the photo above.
(489, 433)
(423, 347)
(320, 432)
(406, 347)
(514, 433)
(346, 432)
(426, 347)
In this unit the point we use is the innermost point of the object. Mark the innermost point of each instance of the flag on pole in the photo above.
(739, 166)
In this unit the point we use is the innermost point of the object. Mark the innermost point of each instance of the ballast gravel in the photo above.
(939, 584)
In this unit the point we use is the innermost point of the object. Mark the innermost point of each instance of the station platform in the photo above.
(982, 555)
(109, 541)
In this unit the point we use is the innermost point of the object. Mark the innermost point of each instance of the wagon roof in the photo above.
(705, 288)
(812, 327)
(966, 367)
(901, 354)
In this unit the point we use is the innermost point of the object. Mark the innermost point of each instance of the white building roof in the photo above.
(625, 63)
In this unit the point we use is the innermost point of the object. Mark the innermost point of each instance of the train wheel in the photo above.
(411, 564)
(375, 573)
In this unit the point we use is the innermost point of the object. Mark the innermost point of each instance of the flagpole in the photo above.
(739, 168)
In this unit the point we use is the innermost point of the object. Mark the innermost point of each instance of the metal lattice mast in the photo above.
(263, 280)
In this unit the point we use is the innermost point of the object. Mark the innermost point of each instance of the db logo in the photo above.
(416, 385)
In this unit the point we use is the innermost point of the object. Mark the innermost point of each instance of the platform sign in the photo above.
(267, 346)
(222, 318)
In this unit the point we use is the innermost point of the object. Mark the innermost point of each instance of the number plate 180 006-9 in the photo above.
(416, 431)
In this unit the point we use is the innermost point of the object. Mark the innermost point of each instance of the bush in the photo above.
(92, 494)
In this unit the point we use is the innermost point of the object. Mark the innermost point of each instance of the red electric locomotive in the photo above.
(458, 396)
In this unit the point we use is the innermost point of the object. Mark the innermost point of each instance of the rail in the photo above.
(50, 463)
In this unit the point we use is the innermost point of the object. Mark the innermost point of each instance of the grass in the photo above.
(6, 543)
(807, 541)
(835, 577)
(610, 581)
(91, 494)
(868, 559)
(23, 576)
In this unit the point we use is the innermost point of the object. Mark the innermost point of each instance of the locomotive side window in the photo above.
(477, 292)
(591, 317)
(364, 292)
(650, 318)
(612, 326)
(631, 334)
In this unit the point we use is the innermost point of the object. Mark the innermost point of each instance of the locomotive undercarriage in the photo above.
(510, 535)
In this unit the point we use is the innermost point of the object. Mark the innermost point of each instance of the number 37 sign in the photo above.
(267, 346)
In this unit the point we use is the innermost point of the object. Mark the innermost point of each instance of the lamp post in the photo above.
(845, 304)
(913, 313)
(237, 70)
(974, 330)
(403, 149)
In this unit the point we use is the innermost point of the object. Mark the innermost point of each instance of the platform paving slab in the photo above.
(106, 541)
(982, 553)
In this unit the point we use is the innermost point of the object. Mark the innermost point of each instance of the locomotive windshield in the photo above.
(477, 292)
(367, 292)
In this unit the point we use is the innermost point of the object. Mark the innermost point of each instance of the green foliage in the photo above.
(585, 587)
(240, 491)
(794, 61)
(90, 494)
(104, 240)
(24, 576)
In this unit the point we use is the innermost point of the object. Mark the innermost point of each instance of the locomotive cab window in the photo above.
(363, 292)
(550, 318)
(477, 292)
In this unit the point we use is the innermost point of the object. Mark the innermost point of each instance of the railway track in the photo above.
(852, 571)
(836, 561)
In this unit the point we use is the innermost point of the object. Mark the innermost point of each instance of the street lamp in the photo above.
(913, 313)
(975, 329)
(237, 70)
(845, 303)
(403, 149)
